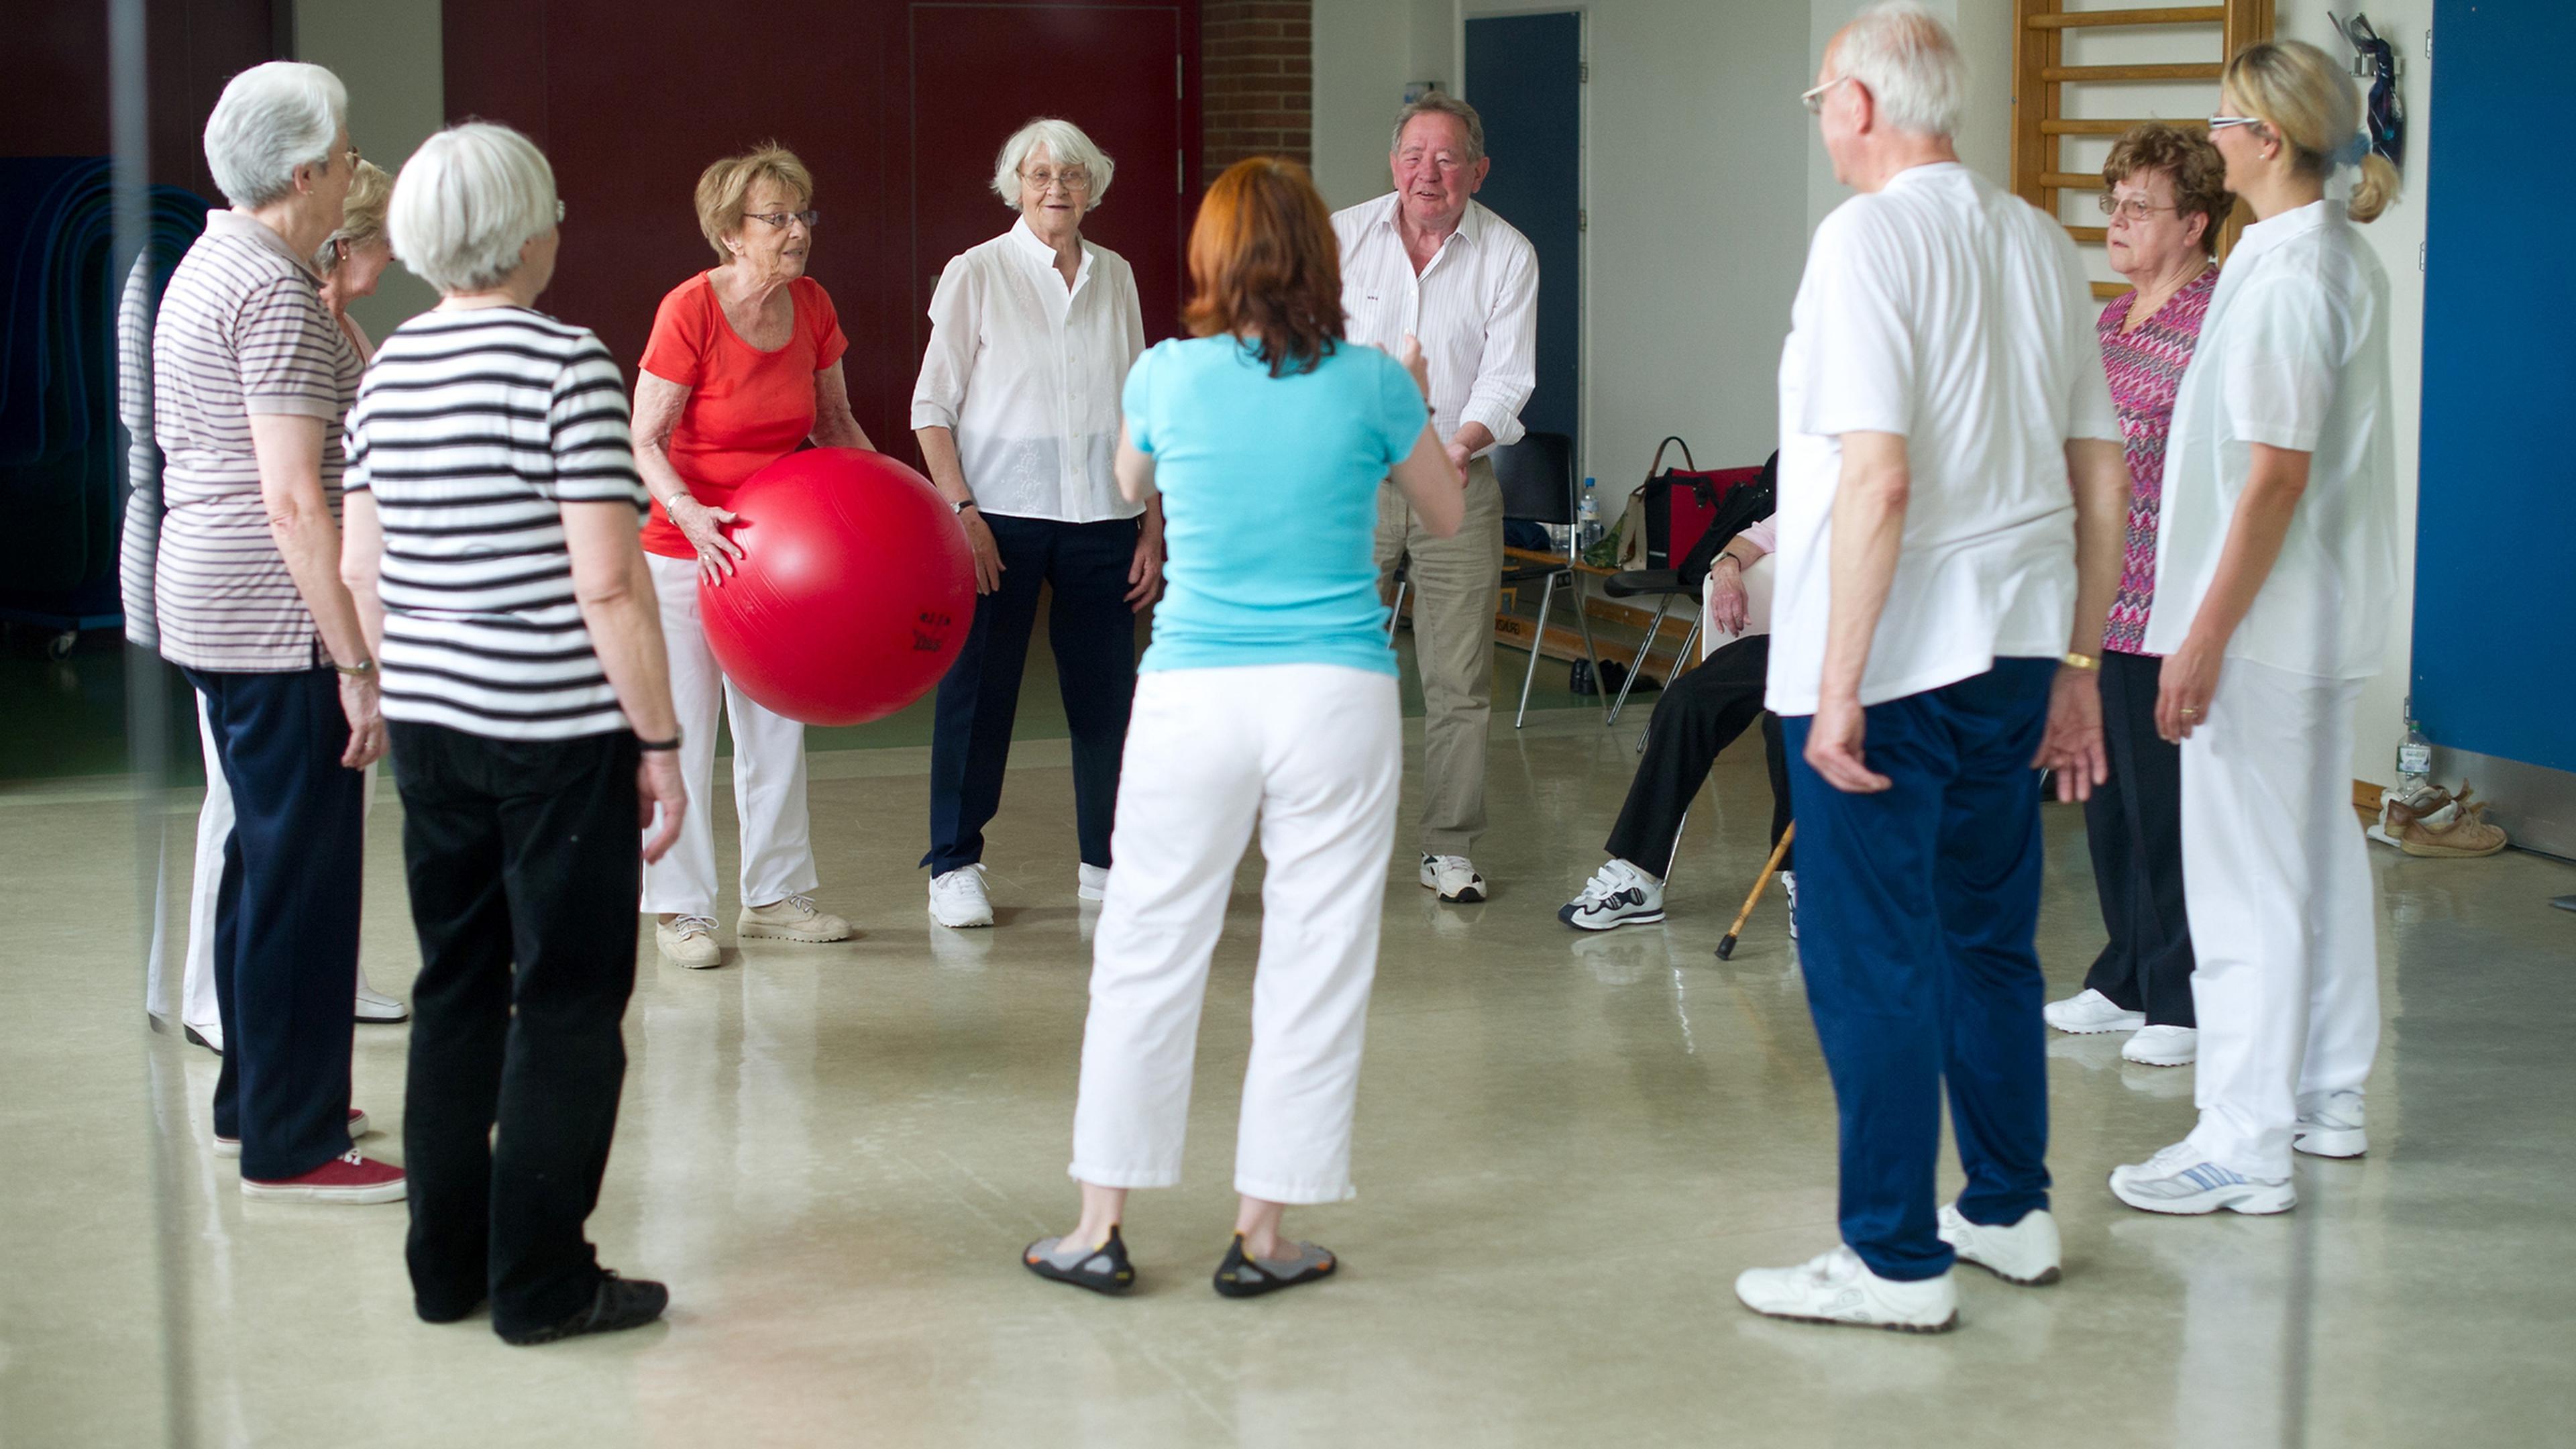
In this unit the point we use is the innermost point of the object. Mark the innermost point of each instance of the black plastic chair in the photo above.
(1538, 486)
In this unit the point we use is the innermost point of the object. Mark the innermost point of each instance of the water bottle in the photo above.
(2414, 755)
(1587, 519)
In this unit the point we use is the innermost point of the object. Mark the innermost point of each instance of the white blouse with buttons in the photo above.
(1027, 373)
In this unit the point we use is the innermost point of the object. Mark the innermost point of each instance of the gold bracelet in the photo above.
(2073, 660)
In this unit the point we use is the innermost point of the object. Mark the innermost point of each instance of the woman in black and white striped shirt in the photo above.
(492, 507)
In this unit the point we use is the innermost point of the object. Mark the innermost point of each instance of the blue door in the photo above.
(2495, 538)
(1525, 77)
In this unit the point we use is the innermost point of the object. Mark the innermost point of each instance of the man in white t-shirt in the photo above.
(1952, 504)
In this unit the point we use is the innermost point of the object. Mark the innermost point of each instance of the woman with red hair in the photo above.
(1269, 697)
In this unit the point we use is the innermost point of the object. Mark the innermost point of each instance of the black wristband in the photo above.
(649, 746)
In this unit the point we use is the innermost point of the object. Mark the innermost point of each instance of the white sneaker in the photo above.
(1091, 882)
(1618, 894)
(1789, 883)
(207, 1034)
(2089, 1011)
(2162, 1046)
(690, 941)
(375, 1006)
(1454, 877)
(2330, 1126)
(796, 918)
(2182, 1180)
(2026, 1252)
(1839, 1288)
(958, 899)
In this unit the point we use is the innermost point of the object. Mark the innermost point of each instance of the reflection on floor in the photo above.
(1567, 1147)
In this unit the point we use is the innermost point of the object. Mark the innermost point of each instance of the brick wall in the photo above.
(1256, 60)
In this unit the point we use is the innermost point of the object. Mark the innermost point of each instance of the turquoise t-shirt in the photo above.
(1270, 501)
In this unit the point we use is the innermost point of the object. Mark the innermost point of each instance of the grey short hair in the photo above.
(1065, 144)
(271, 119)
(1911, 63)
(1436, 103)
(466, 202)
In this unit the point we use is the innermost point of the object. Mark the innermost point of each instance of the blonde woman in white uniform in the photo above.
(2272, 607)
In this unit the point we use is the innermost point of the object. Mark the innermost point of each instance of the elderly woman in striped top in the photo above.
(493, 512)
(2165, 190)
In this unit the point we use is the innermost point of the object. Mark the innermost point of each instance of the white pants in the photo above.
(768, 771)
(1313, 753)
(2283, 923)
(214, 828)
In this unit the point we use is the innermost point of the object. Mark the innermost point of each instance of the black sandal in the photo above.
(1104, 1270)
(1242, 1275)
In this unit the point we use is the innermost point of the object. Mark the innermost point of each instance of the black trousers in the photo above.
(1698, 717)
(1093, 633)
(523, 869)
(2134, 824)
(286, 916)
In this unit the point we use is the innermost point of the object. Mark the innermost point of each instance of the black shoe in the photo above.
(1105, 1271)
(620, 1304)
(440, 1315)
(1243, 1276)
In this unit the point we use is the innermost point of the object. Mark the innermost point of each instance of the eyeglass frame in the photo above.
(2116, 206)
(1071, 186)
(780, 219)
(1813, 98)
(2221, 123)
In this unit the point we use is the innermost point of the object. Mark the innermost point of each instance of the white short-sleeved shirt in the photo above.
(1027, 372)
(1474, 309)
(2293, 355)
(1957, 315)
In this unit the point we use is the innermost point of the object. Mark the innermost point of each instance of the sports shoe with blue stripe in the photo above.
(2182, 1180)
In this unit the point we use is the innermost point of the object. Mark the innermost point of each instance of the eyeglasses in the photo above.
(1073, 178)
(780, 219)
(1814, 98)
(354, 157)
(2221, 123)
(2132, 208)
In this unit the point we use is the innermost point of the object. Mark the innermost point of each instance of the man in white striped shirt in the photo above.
(1427, 261)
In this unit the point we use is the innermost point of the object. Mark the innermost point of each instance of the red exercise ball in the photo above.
(854, 591)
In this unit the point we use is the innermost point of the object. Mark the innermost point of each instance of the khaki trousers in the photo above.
(1457, 584)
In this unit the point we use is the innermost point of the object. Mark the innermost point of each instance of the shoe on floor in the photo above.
(793, 919)
(377, 1008)
(689, 941)
(1789, 884)
(351, 1177)
(1837, 1287)
(1104, 1269)
(210, 1036)
(2089, 1011)
(619, 1304)
(2162, 1046)
(2182, 1180)
(2458, 831)
(2026, 1252)
(1454, 877)
(231, 1146)
(1618, 894)
(2330, 1125)
(1091, 882)
(958, 899)
(1242, 1275)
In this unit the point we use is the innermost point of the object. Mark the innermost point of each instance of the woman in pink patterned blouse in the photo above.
(2166, 196)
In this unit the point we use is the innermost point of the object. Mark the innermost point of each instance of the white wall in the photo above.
(389, 54)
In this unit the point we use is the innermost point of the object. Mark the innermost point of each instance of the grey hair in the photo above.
(1911, 63)
(1437, 103)
(271, 119)
(466, 202)
(1065, 144)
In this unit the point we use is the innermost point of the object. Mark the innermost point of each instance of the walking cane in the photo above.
(1726, 948)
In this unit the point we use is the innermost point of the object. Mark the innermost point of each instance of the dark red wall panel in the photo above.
(53, 78)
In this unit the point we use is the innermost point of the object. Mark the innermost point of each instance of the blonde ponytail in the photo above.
(2376, 188)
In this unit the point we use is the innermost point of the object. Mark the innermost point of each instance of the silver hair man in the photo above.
(1435, 103)
(1909, 61)
(271, 119)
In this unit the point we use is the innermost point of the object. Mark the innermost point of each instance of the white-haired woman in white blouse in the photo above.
(1031, 337)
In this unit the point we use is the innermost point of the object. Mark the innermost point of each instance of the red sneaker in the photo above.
(350, 1177)
(231, 1146)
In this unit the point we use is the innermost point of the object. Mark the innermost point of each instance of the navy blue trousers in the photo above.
(1917, 911)
(286, 916)
(1093, 633)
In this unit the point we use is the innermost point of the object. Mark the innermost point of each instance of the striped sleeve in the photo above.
(288, 350)
(587, 419)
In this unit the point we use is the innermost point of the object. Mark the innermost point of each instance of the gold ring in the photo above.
(2189, 710)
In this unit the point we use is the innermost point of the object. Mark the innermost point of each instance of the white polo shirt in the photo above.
(1956, 315)
(2293, 355)
(1474, 309)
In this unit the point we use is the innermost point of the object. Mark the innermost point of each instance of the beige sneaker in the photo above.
(690, 941)
(2458, 831)
(793, 919)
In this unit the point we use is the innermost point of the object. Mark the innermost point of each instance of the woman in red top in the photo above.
(743, 367)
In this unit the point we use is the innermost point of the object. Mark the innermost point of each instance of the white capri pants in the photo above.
(1314, 754)
(768, 771)
(2284, 926)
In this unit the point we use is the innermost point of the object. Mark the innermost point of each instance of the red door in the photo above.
(980, 72)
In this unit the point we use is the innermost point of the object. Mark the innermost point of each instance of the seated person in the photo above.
(1700, 714)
